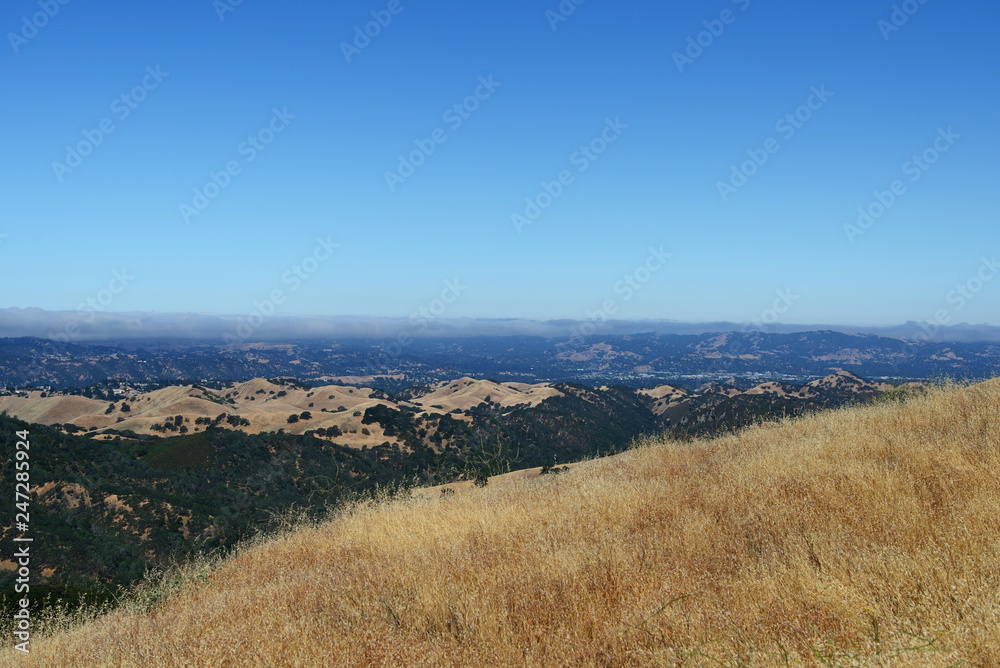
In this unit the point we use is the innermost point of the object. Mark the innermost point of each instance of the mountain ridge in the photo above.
(260, 405)
(637, 360)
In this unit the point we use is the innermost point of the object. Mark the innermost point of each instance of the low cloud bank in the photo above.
(83, 327)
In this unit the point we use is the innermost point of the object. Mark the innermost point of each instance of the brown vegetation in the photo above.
(866, 536)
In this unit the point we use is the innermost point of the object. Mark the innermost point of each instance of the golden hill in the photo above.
(265, 405)
(665, 396)
(844, 380)
(864, 536)
(465, 393)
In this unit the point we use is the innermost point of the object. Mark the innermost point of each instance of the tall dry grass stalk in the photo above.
(866, 536)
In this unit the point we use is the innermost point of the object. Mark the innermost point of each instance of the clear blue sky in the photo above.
(656, 185)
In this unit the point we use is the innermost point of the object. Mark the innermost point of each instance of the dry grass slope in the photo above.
(868, 536)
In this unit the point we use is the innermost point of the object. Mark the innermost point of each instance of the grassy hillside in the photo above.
(865, 536)
(105, 511)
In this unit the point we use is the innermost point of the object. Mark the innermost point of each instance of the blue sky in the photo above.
(678, 128)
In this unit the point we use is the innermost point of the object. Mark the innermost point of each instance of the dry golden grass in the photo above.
(258, 401)
(867, 536)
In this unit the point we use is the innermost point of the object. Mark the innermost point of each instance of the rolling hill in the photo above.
(260, 405)
(864, 536)
(133, 483)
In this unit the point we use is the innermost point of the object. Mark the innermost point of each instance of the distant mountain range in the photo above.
(635, 360)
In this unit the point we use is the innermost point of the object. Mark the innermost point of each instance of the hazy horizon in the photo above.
(93, 326)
